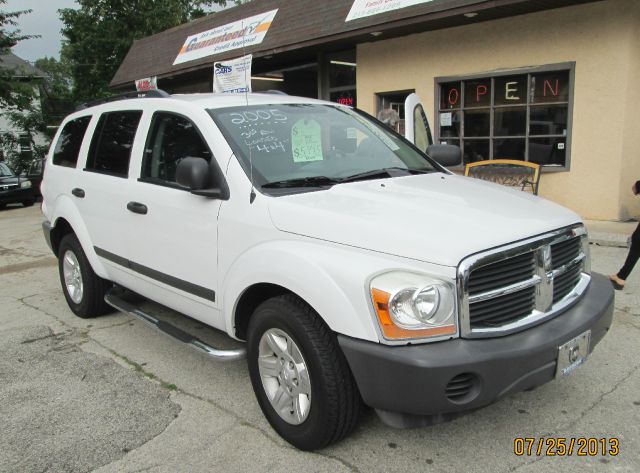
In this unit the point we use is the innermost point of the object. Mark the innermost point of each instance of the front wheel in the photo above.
(83, 289)
(299, 374)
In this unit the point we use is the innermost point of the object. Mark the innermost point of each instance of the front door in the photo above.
(173, 244)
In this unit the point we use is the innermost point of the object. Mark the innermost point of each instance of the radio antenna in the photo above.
(252, 192)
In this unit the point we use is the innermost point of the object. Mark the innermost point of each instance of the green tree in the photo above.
(56, 92)
(99, 34)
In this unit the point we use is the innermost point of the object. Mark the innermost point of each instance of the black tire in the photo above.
(28, 203)
(92, 303)
(335, 400)
(3, 206)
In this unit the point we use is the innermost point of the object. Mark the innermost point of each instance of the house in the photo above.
(21, 71)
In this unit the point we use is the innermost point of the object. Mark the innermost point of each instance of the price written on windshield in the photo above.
(306, 141)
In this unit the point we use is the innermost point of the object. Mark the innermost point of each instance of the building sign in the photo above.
(346, 97)
(146, 84)
(243, 33)
(364, 8)
(232, 76)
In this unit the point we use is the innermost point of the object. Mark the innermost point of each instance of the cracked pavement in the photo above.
(113, 395)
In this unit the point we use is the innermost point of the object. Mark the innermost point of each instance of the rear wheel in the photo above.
(83, 289)
(28, 202)
(299, 374)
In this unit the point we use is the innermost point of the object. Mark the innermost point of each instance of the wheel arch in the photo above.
(249, 301)
(272, 269)
(67, 219)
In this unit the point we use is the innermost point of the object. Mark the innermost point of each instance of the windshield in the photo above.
(315, 145)
(5, 171)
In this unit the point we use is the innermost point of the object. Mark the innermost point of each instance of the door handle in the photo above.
(78, 192)
(137, 208)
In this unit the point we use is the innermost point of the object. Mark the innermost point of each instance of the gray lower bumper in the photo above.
(414, 379)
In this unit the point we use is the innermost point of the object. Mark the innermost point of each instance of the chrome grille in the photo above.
(502, 273)
(507, 289)
(564, 283)
(565, 251)
(503, 310)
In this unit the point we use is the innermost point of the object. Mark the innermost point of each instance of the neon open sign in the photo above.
(511, 90)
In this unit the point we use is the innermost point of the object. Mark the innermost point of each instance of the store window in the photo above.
(342, 77)
(523, 115)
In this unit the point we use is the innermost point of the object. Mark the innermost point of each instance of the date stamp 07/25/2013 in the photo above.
(566, 446)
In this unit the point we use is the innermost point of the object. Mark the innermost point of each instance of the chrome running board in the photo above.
(112, 298)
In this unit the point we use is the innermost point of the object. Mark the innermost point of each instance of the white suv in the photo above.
(355, 266)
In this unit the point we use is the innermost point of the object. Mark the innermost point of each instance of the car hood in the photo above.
(436, 218)
(9, 180)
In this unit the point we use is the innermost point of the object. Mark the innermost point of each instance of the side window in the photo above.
(68, 145)
(171, 139)
(112, 141)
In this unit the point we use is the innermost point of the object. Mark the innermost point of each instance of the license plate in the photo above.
(572, 354)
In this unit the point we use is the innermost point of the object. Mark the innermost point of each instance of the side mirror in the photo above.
(445, 155)
(199, 177)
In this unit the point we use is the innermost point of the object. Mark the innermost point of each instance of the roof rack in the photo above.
(157, 93)
(274, 92)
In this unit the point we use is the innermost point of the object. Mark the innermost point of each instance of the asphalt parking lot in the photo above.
(113, 395)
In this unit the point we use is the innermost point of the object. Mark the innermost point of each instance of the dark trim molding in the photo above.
(172, 281)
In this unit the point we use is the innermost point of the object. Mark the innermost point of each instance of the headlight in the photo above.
(411, 306)
(25, 184)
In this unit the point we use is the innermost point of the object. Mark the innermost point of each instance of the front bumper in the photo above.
(414, 379)
(16, 195)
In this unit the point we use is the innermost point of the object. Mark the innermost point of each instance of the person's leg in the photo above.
(632, 257)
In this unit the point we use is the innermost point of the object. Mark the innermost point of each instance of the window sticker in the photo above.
(306, 141)
(445, 119)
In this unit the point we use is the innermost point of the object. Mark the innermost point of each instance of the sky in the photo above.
(43, 20)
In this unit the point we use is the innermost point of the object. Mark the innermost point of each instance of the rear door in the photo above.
(102, 194)
(417, 128)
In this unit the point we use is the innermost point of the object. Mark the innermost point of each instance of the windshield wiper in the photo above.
(312, 181)
(321, 181)
(382, 173)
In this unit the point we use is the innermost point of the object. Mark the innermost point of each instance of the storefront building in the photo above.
(551, 82)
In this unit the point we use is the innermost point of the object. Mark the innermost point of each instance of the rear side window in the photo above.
(112, 141)
(171, 139)
(68, 145)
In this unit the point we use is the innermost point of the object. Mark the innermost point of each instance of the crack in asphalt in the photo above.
(629, 323)
(32, 340)
(146, 468)
(582, 415)
(38, 263)
(241, 420)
